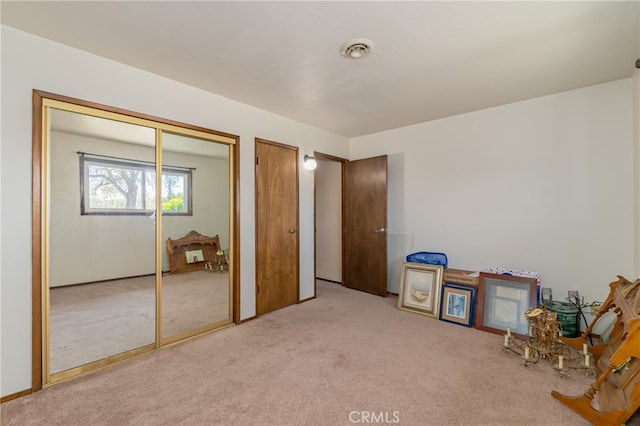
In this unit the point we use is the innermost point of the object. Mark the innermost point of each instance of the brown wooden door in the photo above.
(276, 226)
(365, 225)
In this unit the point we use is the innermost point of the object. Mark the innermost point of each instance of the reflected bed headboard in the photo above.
(191, 252)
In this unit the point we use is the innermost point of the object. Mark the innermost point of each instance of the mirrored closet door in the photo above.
(113, 281)
(195, 227)
(102, 271)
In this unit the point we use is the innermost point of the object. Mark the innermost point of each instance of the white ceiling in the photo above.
(432, 59)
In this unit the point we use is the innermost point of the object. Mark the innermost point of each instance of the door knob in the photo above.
(380, 230)
(293, 230)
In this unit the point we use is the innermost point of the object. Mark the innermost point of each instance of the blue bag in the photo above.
(428, 257)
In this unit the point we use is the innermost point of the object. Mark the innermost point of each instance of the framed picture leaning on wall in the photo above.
(502, 302)
(420, 286)
(458, 304)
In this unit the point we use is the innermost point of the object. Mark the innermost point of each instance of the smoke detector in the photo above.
(357, 48)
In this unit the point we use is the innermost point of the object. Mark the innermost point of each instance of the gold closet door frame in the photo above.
(43, 102)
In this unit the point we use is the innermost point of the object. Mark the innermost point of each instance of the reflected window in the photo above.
(128, 187)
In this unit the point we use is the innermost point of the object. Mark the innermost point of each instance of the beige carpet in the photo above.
(93, 321)
(316, 363)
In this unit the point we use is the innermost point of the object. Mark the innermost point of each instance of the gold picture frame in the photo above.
(420, 287)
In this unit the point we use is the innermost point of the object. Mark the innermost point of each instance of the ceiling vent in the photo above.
(357, 48)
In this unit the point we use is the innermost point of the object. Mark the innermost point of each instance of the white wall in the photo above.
(30, 62)
(543, 185)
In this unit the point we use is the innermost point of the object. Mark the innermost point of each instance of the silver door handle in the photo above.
(293, 230)
(380, 230)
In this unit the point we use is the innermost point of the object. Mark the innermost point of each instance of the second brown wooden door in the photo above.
(277, 242)
(365, 225)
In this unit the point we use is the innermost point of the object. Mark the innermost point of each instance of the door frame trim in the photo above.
(342, 161)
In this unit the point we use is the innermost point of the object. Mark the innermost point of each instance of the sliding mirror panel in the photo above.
(101, 229)
(195, 196)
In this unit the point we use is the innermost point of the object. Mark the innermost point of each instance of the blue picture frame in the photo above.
(458, 304)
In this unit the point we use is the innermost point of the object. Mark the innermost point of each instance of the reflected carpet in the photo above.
(90, 322)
